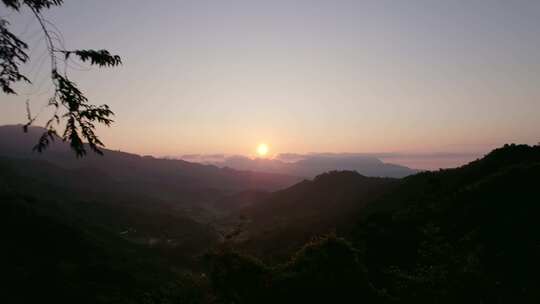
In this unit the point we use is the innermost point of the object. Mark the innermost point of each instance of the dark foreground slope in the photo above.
(87, 197)
(58, 247)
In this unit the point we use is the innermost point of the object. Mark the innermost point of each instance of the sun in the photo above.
(262, 150)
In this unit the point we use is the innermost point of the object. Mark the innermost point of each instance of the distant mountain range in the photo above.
(153, 174)
(310, 165)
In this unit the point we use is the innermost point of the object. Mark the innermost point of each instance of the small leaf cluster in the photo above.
(34, 4)
(100, 58)
(12, 54)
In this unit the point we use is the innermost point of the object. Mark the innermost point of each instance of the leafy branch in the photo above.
(70, 104)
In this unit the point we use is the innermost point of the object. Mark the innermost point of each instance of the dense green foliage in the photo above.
(325, 270)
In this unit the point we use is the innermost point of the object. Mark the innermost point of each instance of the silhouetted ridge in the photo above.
(288, 218)
(510, 154)
(469, 232)
(338, 177)
(311, 165)
(162, 175)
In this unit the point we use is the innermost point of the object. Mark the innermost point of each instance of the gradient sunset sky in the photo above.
(303, 76)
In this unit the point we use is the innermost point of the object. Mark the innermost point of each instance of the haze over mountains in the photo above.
(308, 165)
(131, 169)
(295, 166)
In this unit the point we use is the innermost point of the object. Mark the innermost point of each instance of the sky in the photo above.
(302, 76)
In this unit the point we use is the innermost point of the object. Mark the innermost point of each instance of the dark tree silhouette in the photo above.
(69, 102)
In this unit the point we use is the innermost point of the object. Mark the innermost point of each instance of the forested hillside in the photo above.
(464, 235)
